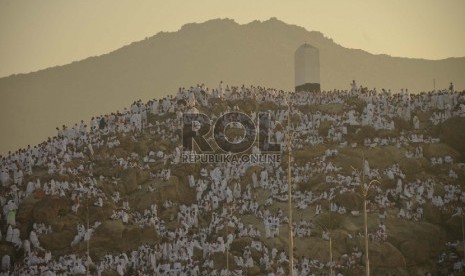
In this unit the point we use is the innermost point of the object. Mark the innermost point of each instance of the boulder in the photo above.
(112, 229)
(48, 209)
(57, 240)
(385, 255)
(131, 179)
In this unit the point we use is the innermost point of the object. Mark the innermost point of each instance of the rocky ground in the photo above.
(412, 247)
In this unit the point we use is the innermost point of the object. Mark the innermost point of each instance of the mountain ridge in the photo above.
(187, 26)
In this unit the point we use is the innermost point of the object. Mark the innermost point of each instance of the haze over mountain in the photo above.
(258, 53)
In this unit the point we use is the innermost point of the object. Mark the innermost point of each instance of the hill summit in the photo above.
(114, 197)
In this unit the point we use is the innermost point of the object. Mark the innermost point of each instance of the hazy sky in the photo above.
(40, 34)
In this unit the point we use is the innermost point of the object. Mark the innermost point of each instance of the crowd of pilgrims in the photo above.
(217, 186)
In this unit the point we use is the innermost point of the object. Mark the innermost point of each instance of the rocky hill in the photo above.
(257, 53)
(119, 189)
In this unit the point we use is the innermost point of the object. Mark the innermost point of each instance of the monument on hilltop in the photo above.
(307, 68)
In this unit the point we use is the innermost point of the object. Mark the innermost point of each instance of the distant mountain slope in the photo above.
(255, 53)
